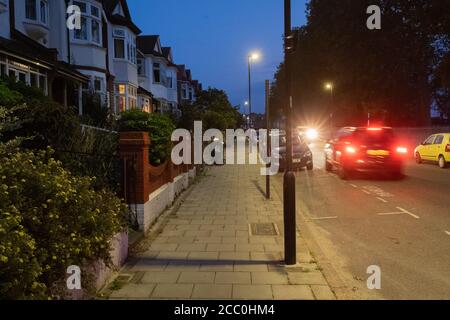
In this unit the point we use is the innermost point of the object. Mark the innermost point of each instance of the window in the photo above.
(119, 48)
(95, 31)
(91, 27)
(156, 73)
(95, 12)
(30, 9)
(43, 11)
(429, 141)
(121, 89)
(33, 80)
(98, 84)
(81, 34)
(2, 70)
(81, 5)
(439, 140)
(141, 67)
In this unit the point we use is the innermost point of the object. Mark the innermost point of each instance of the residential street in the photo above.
(402, 226)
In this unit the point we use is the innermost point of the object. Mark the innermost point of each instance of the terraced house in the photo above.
(100, 57)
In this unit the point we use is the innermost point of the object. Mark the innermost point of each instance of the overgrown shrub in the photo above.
(49, 220)
(159, 127)
(45, 123)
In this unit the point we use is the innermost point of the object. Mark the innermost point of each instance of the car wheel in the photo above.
(442, 162)
(310, 167)
(418, 158)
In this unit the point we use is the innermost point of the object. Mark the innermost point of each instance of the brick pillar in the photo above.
(134, 146)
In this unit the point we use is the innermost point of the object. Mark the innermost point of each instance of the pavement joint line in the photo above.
(382, 200)
(390, 213)
(409, 213)
(324, 218)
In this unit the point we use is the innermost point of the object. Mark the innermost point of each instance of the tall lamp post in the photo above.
(329, 86)
(251, 57)
(290, 224)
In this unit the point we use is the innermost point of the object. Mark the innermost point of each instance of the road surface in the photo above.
(402, 226)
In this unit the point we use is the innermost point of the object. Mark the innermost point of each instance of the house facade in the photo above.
(34, 51)
(158, 73)
(187, 88)
(105, 56)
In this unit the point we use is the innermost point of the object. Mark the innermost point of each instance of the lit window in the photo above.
(122, 89)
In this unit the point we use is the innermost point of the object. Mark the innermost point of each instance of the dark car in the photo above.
(301, 154)
(365, 149)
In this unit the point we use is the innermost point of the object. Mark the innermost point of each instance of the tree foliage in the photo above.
(159, 127)
(384, 72)
(212, 108)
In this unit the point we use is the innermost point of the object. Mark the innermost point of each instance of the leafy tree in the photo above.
(159, 127)
(214, 109)
(385, 72)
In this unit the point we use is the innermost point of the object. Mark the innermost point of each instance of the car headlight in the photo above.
(312, 134)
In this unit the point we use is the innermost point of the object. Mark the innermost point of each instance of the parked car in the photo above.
(301, 156)
(435, 148)
(365, 149)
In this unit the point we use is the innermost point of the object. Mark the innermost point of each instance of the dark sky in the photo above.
(214, 37)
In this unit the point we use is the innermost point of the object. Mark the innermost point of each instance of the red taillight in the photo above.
(350, 150)
(402, 150)
(447, 148)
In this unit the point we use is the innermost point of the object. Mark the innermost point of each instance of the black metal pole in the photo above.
(290, 224)
(249, 91)
(269, 142)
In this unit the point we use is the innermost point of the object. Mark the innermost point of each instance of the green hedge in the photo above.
(49, 220)
(159, 127)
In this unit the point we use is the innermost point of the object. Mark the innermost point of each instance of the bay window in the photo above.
(91, 27)
(125, 45)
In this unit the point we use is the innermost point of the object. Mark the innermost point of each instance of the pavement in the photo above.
(225, 241)
(402, 226)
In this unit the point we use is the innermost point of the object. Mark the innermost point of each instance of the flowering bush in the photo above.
(49, 220)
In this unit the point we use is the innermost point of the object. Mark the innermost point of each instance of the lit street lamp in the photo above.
(251, 57)
(329, 86)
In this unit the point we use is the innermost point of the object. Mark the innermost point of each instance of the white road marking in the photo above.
(390, 214)
(382, 200)
(407, 212)
(354, 185)
(366, 192)
(447, 232)
(324, 218)
(378, 191)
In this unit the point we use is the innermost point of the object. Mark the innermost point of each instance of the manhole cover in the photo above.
(264, 229)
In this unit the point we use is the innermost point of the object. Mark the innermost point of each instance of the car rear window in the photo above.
(376, 136)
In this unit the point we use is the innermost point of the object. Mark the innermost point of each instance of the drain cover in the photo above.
(264, 229)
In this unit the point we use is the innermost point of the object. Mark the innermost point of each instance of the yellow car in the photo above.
(435, 149)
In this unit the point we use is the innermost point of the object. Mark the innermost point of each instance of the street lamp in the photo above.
(251, 57)
(329, 86)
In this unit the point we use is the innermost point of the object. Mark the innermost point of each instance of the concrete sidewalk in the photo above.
(224, 242)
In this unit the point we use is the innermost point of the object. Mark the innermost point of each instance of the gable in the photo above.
(119, 10)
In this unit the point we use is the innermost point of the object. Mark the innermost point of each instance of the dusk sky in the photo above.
(214, 37)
